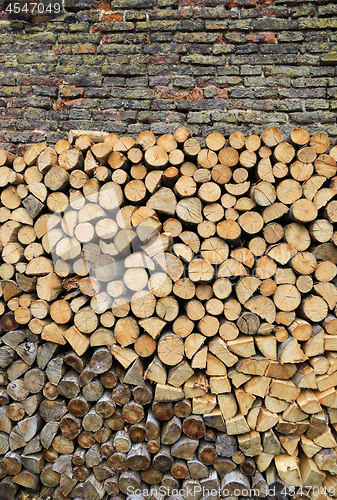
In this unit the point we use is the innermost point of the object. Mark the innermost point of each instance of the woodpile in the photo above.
(168, 316)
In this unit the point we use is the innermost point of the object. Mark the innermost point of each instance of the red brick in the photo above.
(179, 94)
(114, 17)
(71, 92)
(104, 5)
(166, 59)
(85, 49)
(222, 93)
(269, 37)
(62, 49)
(62, 104)
(261, 37)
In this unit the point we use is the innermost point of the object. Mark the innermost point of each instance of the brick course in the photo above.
(131, 65)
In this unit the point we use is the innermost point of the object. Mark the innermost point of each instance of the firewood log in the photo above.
(196, 286)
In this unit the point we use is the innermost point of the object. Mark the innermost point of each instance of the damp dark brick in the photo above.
(137, 82)
(114, 81)
(124, 69)
(46, 91)
(158, 81)
(137, 104)
(187, 105)
(183, 81)
(97, 92)
(70, 5)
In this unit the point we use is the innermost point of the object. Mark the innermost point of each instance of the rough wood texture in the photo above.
(168, 314)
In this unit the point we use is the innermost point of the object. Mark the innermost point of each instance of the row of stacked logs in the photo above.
(168, 317)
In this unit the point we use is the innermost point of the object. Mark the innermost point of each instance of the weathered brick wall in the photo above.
(130, 65)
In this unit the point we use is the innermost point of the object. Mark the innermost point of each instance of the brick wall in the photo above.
(130, 65)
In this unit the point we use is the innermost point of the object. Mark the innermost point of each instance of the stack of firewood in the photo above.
(168, 316)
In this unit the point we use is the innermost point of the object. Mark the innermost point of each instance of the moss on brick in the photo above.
(289, 105)
(205, 60)
(327, 10)
(133, 93)
(225, 48)
(38, 38)
(115, 48)
(267, 24)
(198, 117)
(79, 38)
(220, 116)
(330, 58)
(109, 26)
(228, 80)
(314, 104)
(124, 69)
(159, 25)
(290, 71)
(312, 23)
(313, 117)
